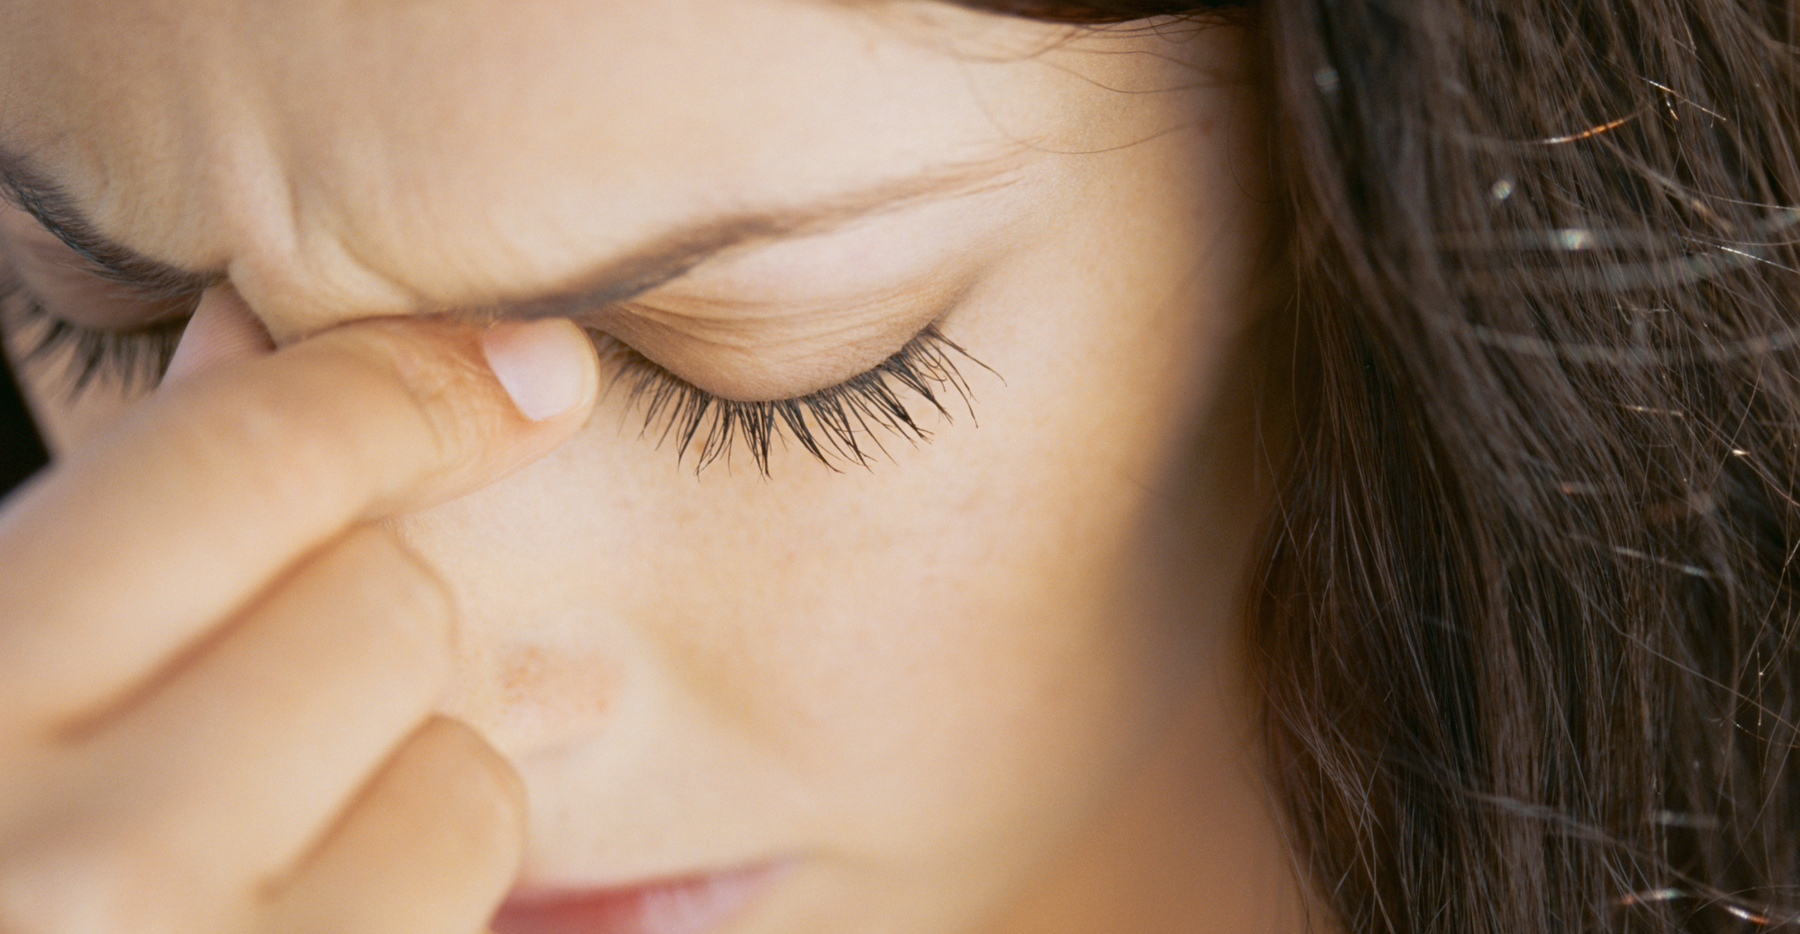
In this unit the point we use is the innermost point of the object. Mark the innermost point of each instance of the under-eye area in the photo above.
(839, 425)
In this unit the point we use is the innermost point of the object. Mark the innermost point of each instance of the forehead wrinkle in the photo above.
(450, 276)
(319, 269)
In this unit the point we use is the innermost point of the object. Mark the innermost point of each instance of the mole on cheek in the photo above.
(531, 698)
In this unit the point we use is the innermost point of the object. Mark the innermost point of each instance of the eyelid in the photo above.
(747, 346)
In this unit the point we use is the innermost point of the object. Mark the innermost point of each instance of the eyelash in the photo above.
(133, 359)
(837, 425)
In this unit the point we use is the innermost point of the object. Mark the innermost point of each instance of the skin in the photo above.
(991, 683)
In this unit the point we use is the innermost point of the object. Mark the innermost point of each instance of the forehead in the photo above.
(402, 142)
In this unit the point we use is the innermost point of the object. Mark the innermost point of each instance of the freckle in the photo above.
(554, 683)
(523, 673)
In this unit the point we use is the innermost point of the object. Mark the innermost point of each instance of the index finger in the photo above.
(117, 558)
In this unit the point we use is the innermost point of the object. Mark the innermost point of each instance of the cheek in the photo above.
(953, 716)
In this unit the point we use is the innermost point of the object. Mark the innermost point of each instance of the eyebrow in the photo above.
(653, 263)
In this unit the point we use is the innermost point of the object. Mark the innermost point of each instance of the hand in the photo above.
(217, 670)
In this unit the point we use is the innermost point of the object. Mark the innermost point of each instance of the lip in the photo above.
(684, 905)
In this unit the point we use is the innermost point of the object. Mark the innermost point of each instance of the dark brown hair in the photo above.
(1529, 635)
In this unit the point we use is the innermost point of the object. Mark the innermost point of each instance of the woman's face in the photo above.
(984, 679)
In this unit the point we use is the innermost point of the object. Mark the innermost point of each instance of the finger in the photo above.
(131, 549)
(430, 848)
(223, 328)
(229, 772)
(247, 749)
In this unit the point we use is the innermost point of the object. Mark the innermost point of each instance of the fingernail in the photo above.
(546, 366)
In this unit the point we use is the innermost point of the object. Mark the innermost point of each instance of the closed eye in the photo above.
(842, 424)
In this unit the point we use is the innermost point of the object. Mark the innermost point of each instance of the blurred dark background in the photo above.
(21, 450)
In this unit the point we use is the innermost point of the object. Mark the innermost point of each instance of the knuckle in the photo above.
(432, 381)
(441, 390)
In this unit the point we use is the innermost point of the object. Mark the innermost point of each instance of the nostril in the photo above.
(223, 328)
